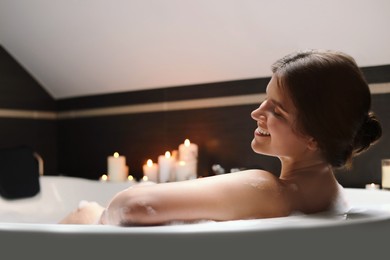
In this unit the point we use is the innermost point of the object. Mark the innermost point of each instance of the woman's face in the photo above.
(275, 119)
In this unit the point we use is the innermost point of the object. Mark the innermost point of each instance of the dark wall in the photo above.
(148, 135)
(19, 91)
(222, 134)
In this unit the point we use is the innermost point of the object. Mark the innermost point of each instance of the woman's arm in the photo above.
(241, 195)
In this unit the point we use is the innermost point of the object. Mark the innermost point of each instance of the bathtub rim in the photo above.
(380, 216)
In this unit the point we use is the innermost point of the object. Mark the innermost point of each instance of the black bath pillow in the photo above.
(19, 173)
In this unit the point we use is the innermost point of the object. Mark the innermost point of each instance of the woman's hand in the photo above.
(86, 213)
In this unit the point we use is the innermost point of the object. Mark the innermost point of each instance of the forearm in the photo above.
(231, 196)
(159, 204)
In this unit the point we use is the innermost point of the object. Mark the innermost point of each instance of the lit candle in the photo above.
(174, 157)
(103, 178)
(165, 167)
(145, 181)
(188, 151)
(386, 173)
(150, 170)
(116, 167)
(184, 171)
(372, 186)
(131, 179)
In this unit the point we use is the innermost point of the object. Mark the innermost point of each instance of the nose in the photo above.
(258, 113)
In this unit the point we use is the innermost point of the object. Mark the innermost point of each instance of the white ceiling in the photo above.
(86, 47)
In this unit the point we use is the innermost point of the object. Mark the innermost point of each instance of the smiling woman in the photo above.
(332, 102)
(297, 95)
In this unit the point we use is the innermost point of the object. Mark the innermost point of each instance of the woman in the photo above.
(316, 118)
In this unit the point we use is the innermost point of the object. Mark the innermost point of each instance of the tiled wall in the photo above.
(145, 124)
(21, 97)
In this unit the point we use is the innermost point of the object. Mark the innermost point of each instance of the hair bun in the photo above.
(369, 132)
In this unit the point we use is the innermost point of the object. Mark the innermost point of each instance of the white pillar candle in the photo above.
(182, 171)
(185, 171)
(165, 165)
(188, 151)
(386, 173)
(372, 186)
(116, 167)
(150, 170)
(192, 165)
(175, 155)
(175, 158)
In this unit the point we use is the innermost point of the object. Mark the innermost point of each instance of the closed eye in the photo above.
(277, 114)
(274, 108)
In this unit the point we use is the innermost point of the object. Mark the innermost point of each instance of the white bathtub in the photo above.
(29, 225)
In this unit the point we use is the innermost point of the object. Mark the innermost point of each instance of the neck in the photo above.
(293, 168)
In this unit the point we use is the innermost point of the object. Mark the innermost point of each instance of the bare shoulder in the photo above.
(254, 194)
(259, 179)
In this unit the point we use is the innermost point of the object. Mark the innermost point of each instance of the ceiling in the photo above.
(86, 47)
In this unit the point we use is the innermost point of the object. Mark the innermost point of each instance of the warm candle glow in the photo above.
(130, 177)
(149, 163)
(182, 163)
(372, 186)
(145, 178)
(167, 154)
(116, 155)
(187, 143)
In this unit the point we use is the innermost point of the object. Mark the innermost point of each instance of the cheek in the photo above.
(284, 137)
(278, 128)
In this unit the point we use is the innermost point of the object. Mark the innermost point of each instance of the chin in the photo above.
(260, 149)
(255, 147)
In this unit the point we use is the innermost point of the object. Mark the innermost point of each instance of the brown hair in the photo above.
(333, 102)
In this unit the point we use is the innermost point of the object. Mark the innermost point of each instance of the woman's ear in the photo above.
(312, 144)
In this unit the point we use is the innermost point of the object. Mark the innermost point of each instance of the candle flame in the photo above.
(149, 163)
(167, 154)
(187, 142)
(116, 155)
(145, 178)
